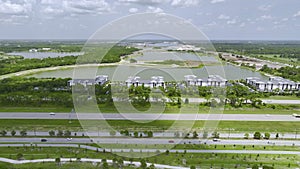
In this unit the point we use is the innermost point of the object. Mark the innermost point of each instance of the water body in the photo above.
(40, 55)
(121, 73)
(150, 56)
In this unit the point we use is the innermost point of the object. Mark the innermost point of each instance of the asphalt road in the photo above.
(153, 116)
(153, 141)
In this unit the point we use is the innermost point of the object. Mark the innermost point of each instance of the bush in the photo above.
(257, 135)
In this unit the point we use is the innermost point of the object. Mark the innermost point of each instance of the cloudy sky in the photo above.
(218, 19)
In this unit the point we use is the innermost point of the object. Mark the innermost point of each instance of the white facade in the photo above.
(212, 80)
(156, 81)
(99, 80)
(274, 83)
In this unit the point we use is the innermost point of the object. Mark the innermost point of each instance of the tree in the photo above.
(150, 134)
(205, 134)
(176, 134)
(257, 135)
(3, 133)
(60, 133)
(19, 156)
(13, 133)
(67, 133)
(186, 101)
(57, 160)
(112, 132)
(143, 164)
(51, 133)
(246, 136)
(216, 134)
(267, 136)
(192, 167)
(124, 132)
(23, 133)
(195, 134)
(136, 134)
(277, 135)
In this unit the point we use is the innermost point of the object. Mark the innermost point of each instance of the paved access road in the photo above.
(152, 141)
(137, 164)
(150, 116)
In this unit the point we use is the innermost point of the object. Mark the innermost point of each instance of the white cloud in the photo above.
(11, 8)
(51, 10)
(133, 10)
(285, 19)
(264, 17)
(243, 24)
(154, 9)
(264, 7)
(211, 24)
(223, 17)
(144, 2)
(260, 28)
(185, 3)
(86, 6)
(297, 14)
(216, 1)
(231, 22)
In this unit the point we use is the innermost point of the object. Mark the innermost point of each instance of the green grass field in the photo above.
(235, 126)
(284, 98)
(203, 160)
(191, 108)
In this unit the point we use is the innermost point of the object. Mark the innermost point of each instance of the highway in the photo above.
(149, 116)
(151, 141)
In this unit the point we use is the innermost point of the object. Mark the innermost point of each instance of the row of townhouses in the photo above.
(274, 83)
(155, 81)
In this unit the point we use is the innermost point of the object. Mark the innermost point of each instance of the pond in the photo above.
(40, 55)
(121, 73)
(152, 56)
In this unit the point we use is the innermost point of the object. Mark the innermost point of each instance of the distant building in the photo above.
(212, 80)
(99, 80)
(33, 50)
(156, 81)
(46, 49)
(274, 83)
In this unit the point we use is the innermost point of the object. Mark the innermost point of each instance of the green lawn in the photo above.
(235, 126)
(190, 108)
(284, 98)
(203, 160)
(34, 109)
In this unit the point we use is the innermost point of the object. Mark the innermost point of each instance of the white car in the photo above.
(216, 140)
(52, 114)
(296, 115)
(69, 139)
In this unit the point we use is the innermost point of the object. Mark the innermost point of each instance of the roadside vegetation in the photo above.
(286, 52)
(203, 160)
(157, 125)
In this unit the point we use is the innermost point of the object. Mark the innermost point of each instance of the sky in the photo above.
(217, 19)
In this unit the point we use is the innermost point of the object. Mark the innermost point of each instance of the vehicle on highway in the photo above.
(69, 139)
(171, 141)
(52, 114)
(296, 115)
(43, 140)
(216, 140)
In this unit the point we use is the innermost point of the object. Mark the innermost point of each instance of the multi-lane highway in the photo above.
(150, 116)
(152, 141)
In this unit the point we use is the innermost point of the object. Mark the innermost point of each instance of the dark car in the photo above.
(43, 140)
